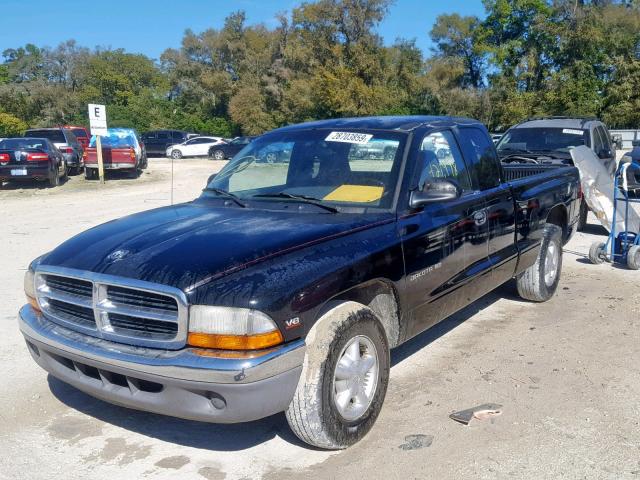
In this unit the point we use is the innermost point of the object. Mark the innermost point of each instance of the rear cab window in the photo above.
(481, 155)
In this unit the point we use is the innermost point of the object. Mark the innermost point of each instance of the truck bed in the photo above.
(518, 171)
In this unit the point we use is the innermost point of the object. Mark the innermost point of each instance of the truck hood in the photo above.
(190, 244)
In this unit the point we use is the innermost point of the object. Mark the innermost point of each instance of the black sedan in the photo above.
(228, 150)
(31, 159)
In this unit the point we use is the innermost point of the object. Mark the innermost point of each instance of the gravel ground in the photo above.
(566, 372)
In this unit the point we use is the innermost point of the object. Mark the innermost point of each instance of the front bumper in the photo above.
(194, 384)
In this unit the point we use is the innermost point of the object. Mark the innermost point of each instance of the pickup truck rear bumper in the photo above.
(194, 384)
(112, 166)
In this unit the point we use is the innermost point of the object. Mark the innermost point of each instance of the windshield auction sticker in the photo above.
(572, 131)
(348, 137)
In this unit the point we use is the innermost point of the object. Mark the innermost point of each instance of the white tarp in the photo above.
(598, 189)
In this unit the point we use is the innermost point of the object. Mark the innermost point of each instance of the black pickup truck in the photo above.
(284, 285)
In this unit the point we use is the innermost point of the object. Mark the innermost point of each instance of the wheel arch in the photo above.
(381, 297)
(559, 216)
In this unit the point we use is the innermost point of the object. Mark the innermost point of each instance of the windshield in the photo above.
(117, 138)
(337, 168)
(23, 143)
(56, 136)
(542, 139)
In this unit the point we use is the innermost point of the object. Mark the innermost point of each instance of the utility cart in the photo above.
(622, 247)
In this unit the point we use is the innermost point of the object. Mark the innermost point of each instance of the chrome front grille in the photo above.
(114, 308)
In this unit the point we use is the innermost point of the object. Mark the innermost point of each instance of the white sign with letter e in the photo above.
(98, 119)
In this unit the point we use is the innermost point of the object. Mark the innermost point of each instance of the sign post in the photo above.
(98, 124)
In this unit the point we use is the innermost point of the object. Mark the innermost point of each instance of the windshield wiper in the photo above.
(224, 193)
(300, 198)
(517, 150)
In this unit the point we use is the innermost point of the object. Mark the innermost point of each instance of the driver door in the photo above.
(444, 243)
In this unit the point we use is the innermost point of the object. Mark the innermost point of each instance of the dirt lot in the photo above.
(566, 372)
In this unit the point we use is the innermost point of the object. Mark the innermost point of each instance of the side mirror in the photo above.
(211, 177)
(438, 190)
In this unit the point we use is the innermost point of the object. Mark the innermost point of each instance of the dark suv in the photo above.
(65, 141)
(549, 140)
(157, 141)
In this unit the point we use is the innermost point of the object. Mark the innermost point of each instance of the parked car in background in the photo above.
(31, 159)
(156, 142)
(65, 140)
(548, 140)
(195, 147)
(223, 151)
(121, 150)
(81, 133)
(495, 137)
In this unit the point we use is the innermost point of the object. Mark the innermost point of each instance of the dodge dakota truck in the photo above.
(283, 287)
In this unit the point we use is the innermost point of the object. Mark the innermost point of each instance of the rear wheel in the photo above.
(539, 282)
(90, 173)
(54, 178)
(597, 253)
(633, 257)
(582, 218)
(344, 379)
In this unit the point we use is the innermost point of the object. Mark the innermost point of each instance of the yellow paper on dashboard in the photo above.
(355, 193)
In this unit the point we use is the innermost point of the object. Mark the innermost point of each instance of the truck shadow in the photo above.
(236, 437)
(407, 349)
(214, 437)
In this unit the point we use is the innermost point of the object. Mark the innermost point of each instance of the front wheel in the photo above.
(176, 154)
(218, 155)
(539, 282)
(344, 379)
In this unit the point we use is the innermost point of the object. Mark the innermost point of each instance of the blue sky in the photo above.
(150, 26)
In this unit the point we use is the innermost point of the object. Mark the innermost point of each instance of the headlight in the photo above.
(229, 328)
(30, 289)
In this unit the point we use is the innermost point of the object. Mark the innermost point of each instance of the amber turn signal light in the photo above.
(235, 342)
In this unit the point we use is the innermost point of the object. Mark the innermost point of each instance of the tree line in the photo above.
(325, 59)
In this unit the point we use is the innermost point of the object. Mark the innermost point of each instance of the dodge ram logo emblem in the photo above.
(117, 255)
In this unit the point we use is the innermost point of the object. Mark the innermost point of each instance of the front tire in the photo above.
(176, 154)
(344, 379)
(539, 282)
(218, 155)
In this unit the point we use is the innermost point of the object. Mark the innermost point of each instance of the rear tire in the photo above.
(333, 407)
(90, 173)
(597, 254)
(633, 257)
(539, 282)
(54, 178)
(582, 218)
